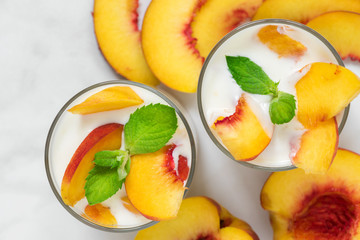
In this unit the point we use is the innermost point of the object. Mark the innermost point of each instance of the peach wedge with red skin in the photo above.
(280, 43)
(303, 10)
(198, 218)
(341, 29)
(105, 137)
(244, 145)
(99, 214)
(318, 147)
(112, 98)
(118, 36)
(153, 186)
(316, 206)
(323, 92)
(218, 17)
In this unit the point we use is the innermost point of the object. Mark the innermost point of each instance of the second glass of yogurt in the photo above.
(218, 92)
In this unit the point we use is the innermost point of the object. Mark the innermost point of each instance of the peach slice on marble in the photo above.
(324, 91)
(318, 147)
(341, 29)
(111, 98)
(303, 10)
(218, 17)
(198, 218)
(118, 36)
(153, 186)
(244, 145)
(99, 214)
(316, 206)
(105, 137)
(276, 39)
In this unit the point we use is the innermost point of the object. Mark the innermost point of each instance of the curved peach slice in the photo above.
(318, 147)
(153, 186)
(118, 36)
(324, 91)
(313, 206)
(244, 145)
(303, 10)
(198, 218)
(335, 24)
(218, 17)
(275, 38)
(168, 45)
(105, 137)
(111, 98)
(127, 204)
(99, 214)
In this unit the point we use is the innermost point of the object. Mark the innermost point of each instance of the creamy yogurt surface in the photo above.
(71, 130)
(220, 93)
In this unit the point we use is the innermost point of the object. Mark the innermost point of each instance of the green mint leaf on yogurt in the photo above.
(282, 108)
(101, 184)
(249, 76)
(252, 79)
(150, 128)
(107, 176)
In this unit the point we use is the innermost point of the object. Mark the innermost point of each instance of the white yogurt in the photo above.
(220, 93)
(71, 129)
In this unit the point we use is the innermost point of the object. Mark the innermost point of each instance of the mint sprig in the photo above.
(149, 128)
(252, 79)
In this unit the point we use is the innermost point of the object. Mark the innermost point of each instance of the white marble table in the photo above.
(48, 52)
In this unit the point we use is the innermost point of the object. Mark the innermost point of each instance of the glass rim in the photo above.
(219, 44)
(54, 124)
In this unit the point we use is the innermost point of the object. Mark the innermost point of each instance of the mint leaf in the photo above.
(107, 158)
(149, 128)
(101, 183)
(282, 108)
(249, 76)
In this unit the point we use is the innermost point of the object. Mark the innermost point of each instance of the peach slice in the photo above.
(315, 206)
(244, 145)
(127, 204)
(303, 10)
(111, 98)
(105, 137)
(218, 17)
(276, 40)
(318, 147)
(153, 186)
(324, 91)
(119, 39)
(198, 218)
(168, 45)
(335, 24)
(99, 214)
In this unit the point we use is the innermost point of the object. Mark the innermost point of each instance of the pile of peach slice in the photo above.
(152, 176)
(175, 37)
(322, 93)
(313, 206)
(200, 218)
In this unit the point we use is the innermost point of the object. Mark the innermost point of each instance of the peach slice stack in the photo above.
(174, 40)
(200, 218)
(313, 206)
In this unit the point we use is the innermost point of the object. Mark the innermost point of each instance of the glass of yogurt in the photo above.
(68, 130)
(218, 93)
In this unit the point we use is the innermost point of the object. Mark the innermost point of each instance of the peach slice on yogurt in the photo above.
(276, 39)
(153, 185)
(105, 137)
(111, 98)
(318, 147)
(323, 92)
(99, 214)
(316, 206)
(242, 133)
